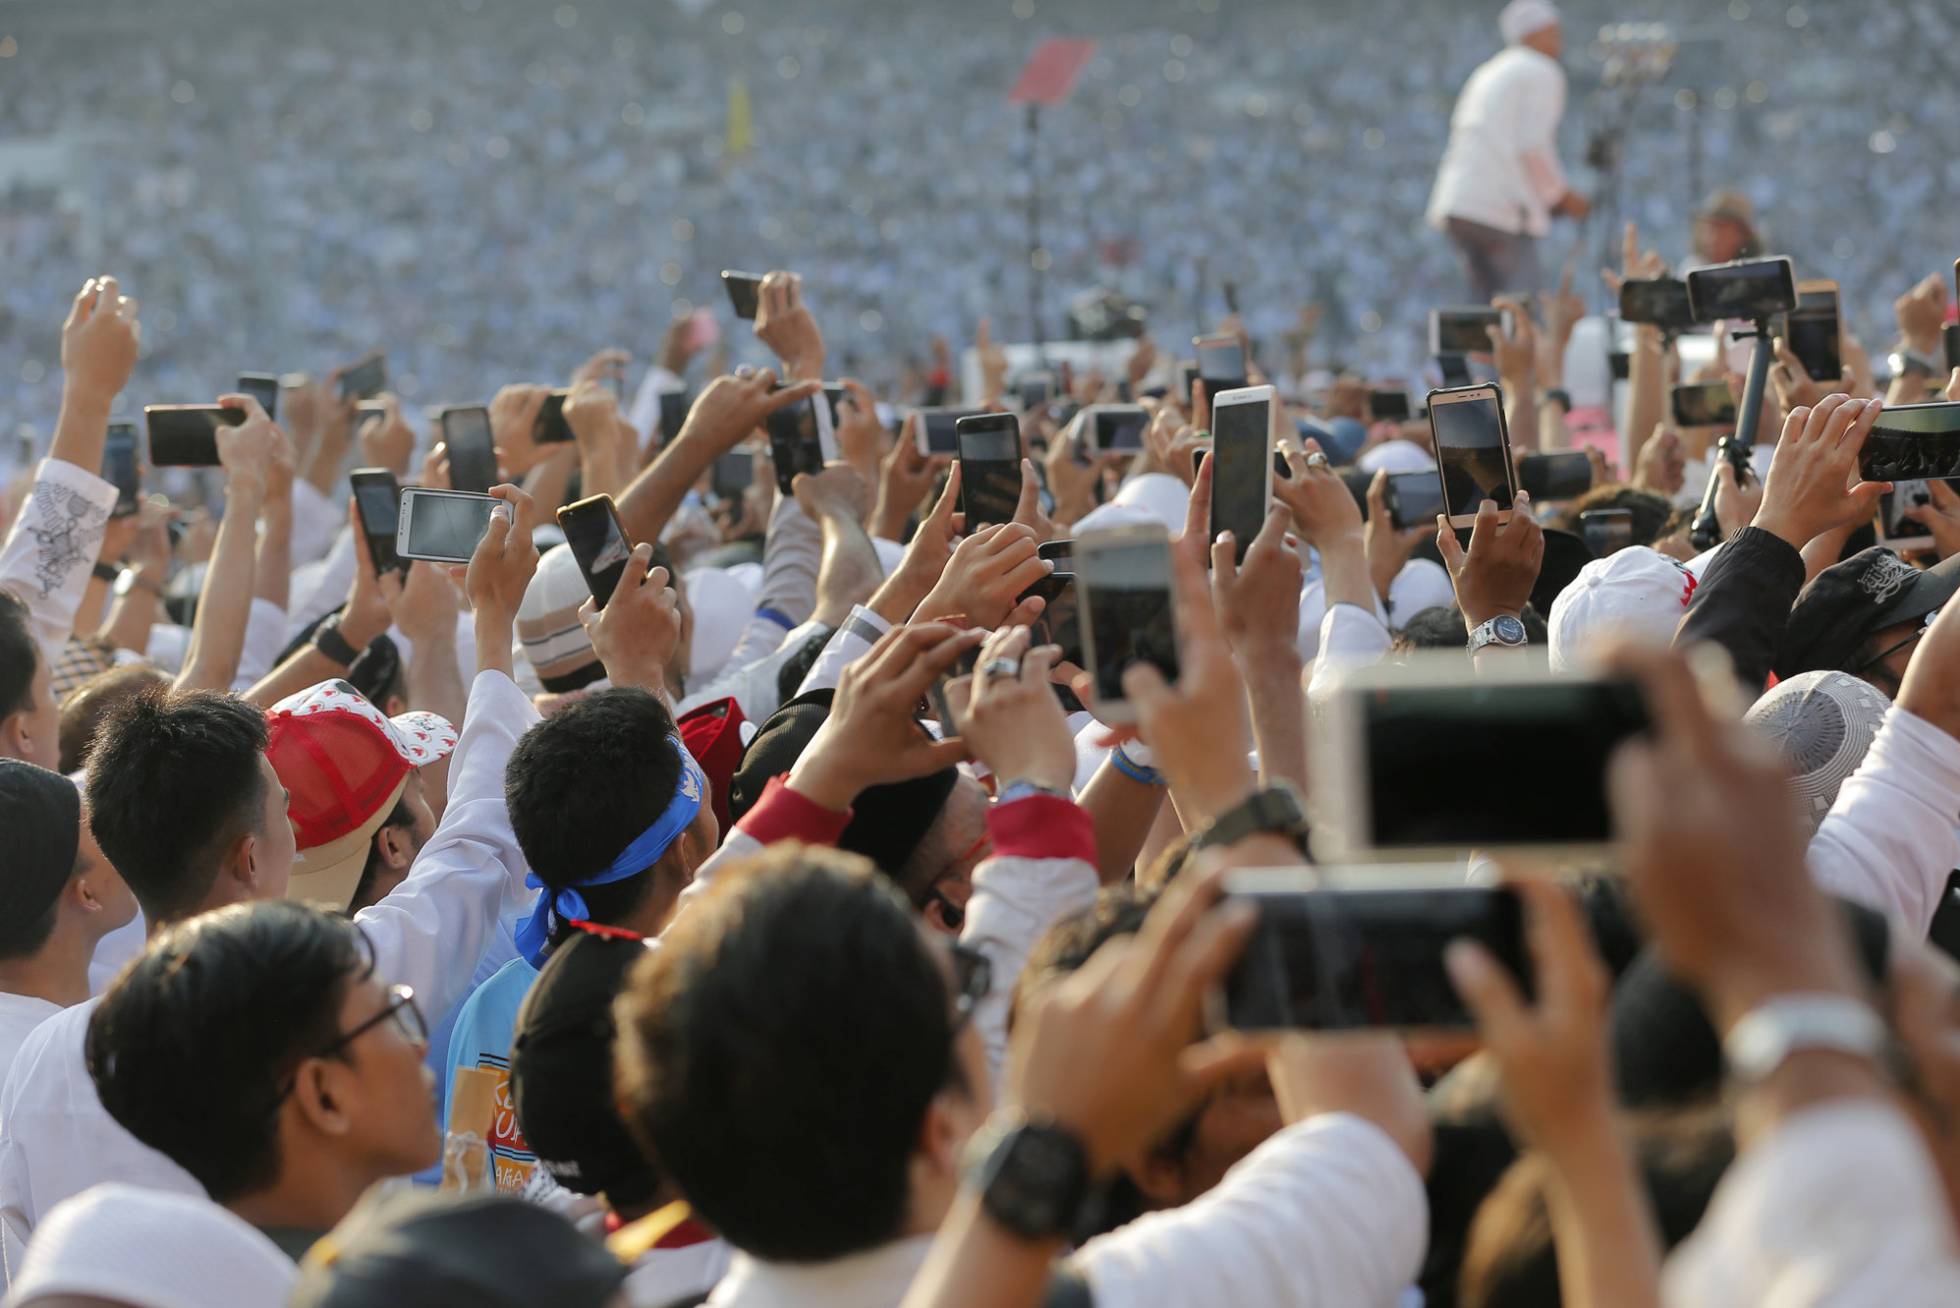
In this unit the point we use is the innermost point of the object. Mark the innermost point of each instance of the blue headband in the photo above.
(568, 905)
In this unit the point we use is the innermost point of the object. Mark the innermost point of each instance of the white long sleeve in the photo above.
(847, 645)
(53, 546)
(1890, 840)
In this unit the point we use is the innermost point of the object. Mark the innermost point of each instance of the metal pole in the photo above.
(1705, 532)
(1034, 230)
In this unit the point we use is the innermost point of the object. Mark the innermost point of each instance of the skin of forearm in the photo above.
(1125, 813)
(225, 602)
(324, 458)
(548, 481)
(435, 685)
(1609, 1251)
(1279, 713)
(1552, 431)
(1344, 566)
(849, 570)
(95, 598)
(975, 1264)
(81, 428)
(656, 494)
(307, 667)
(1646, 392)
(493, 637)
(272, 573)
(129, 622)
(1521, 412)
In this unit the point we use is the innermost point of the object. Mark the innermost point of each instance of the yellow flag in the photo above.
(741, 124)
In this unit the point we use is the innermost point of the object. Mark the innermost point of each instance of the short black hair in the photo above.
(584, 783)
(778, 1053)
(22, 937)
(19, 656)
(1440, 627)
(173, 781)
(191, 1046)
(398, 818)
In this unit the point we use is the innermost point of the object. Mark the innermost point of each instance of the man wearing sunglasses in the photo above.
(258, 1049)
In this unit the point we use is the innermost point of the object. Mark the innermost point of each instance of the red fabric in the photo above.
(1051, 71)
(713, 734)
(692, 1231)
(1043, 826)
(339, 769)
(782, 814)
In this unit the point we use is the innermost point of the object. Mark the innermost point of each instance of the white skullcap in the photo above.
(1523, 17)
(1112, 514)
(1159, 494)
(1422, 584)
(1637, 593)
(151, 1249)
(1821, 723)
(722, 608)
(1396, 456)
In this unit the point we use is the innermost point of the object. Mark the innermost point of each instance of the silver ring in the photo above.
(1316, 460)
(1002, 667)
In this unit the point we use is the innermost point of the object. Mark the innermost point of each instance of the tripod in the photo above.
(1705, 533)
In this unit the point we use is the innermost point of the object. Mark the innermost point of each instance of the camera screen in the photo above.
(1913, 441)
(942, 431)
(1240, 442)
(1704, 404)
(472, 456)
(1221, 362)
(366, 379)
(1465, 331)
(1471, 452)
(734, 473)
(262, 387)
(1120, 428)
(1129, 590)
(1345, 959)
(1905, 495)
(1660, 301)
(597, 544)
(1058, 623)
(1414, 499)
(380, 506)
(446, 527)
(1760, 288)
(794, 441)
(990, 469)
(187, 436)
(119, 466)
(1555, 741)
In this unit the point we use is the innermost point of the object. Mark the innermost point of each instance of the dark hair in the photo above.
(779, 1052)
(1441, 627)
(399, 817)
(191, 1046)
(1650, 512)
(789, 677)
(584, 783)
(173, 781)
(82, 712)
(19, 656)
(23, 937)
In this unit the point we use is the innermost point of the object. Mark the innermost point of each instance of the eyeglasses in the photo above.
(1894, 648)
(973, 977)
(401, 1009)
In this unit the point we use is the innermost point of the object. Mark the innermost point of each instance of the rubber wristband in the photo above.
(328, 640)
(1135, 771)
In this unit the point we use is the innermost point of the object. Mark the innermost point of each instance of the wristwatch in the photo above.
(1502, 630)
(1557, 395)
(328, 640)
(1032, 1177)
(1275, 810)
(1769, 1033)
(1905, 363)
(105, 572)
(129, 579)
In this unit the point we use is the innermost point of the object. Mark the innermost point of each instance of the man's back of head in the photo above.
(30, 725)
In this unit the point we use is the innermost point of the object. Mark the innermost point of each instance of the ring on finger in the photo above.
(1317, 460)
(1002, 667)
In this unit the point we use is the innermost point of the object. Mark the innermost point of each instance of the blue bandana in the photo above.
(568, 905)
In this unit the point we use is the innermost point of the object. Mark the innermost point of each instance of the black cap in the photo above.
(447, 1251)
(561, 1071)
(41, 814)
(1873, 589)
(887, 822)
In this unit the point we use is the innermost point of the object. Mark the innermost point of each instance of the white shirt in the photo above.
(1889, 841)
(52, 548)
(19, 1014)
(1501, 166)
(56, 1140)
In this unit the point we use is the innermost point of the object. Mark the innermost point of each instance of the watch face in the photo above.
(1509, 630)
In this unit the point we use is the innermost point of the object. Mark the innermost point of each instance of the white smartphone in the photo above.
(1473, 451)
(444, 526)
(1242, 475)
(1115, 427)
(1123, 590)
(937, 430)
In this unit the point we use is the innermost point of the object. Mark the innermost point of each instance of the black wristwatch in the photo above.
(1558, 395)
(1032, 1177)
(328, 640)
(1275, 810)
(106, 572)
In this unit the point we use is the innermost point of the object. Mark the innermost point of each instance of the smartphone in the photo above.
(598, 542)
(673, 414)
(1116, 427)
(833, 395)
(1812, 332)
(990, 468)
(1281, 472)
(1913, 441)
(1388, 406)
(366, 412)
(472, 451)
(937, 430)
(1187, 372)
(1410, 752)
(1744, 289)
(186, 435)
(1242, 479)
(1703, 404)
(1950, 337)
(1221, 363)
(734, 472)
(121, 469)
(1563, 476)
(1657, 301)
(1035, 390)
(744, 292)
(1606, 531)
(1061, 553)
(1414, 499)
(1473, 451)
(366, 379)
(263, 387)
(1462, 331)
(800, 439)
(1059, 622)
(1455, 370)
(1123, 585)
(378, 499)
(443, 526)
(551, 428)
(1356, 956)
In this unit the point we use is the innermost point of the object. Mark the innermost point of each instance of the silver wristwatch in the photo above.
(1769, 1033)
(1502, 630)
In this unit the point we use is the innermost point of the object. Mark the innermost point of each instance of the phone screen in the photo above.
(734, 473)
(941, 430)
(378, 499)
(186, 435)
(1913, 441)
(1472, 454)
(552, 429)
(1128, 587)
(1222, 362)
(744, 292)
(1606, 531)
(445, 526)
(1058, 623)
(1660, 301)
(1555, 741)
(1463, 331)
(1036, 389)
(1388, 406)
(990, 469)
(1812, 335)
(120, 469)
(472, 454)
(263, 387)
(673, 414)
(1347, 959)
(1414, 499)
(1240, 440)
(1950, 336)
(1703, 404)
(366, 379)
(795, 442)
(592, 530)
(1562, 476)
(1760, 288)
(1061, 553)
(1120, 427)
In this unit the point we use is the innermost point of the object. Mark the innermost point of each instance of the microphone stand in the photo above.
(1705, 532)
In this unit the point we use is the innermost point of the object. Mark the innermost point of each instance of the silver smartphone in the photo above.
(1124, 608)
(443, 526)
(1242, 477)
(1473, 451)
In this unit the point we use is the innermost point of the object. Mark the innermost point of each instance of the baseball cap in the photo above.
(548, 629)
(1821, 722)
(1636, 592)
(561, 1071)
(345, 764)
(41, 812)
(714, 734)
(1848, 601)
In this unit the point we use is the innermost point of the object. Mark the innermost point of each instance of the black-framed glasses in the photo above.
(401, 1009)
(973, 977)
(1925, 626)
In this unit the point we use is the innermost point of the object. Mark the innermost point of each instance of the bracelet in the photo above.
(1021, 789)
(328, 640)
(1137, 772)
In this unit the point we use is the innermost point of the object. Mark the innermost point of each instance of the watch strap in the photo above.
(1275, 810)
(1032, 1177)
(1768, 1034)
(328, 640)
(106, 572)
(1486, 633)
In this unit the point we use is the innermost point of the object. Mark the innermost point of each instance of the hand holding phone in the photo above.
(598, 541)
(800, 439)
(1242, 472)
(744, 292)
(1473, 451)
(636, 634)
(443, 526)
(990, 469)
(366, 379)
(263, 387)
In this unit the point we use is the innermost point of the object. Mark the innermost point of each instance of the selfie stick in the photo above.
(1705, 532)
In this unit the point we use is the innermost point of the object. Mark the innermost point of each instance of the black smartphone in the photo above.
(378, 499)
(598, 542)
(366, 379)
(673, 414)
(1703, 404)
(1187, 372)
(121, 468)
(1061, 553)
(1657, 301)
(798, 435)
(834, 395)
(1241, 479)
(1746, 288)
(1913, 441)
(1344, 959)
(1221, 363)
(1414, 499)
(1473, 450)
(472, 450)
(734, 472)
(443, 526)
(1606, 531)
(990, 468)
(263, 387)
(1123, 586)
(1462, 331)
(1115, 427)
(1950, 337)
(1811, 331)
(1455, 371)
(551, 428)
(1565, 475)
(1388, 406)
(1059, 623)
(186, 435)
(744, 292)
(366, 412)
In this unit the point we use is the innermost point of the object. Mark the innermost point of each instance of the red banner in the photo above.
(1051, 71)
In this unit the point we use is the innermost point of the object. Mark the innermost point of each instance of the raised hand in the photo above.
(784, 323)
(733, 405)
(246, 451)
(1258, 601)
(1496, 576)
(1008, 715)
(860, 436)
(100, 340)
(388, 442)
(926, 557)
(636, 634)
(986, 575)
(514, 426)
(905, 478)
(1940, 518)
(837, 492)
(1805, 493)
(505, 559)
(1388, 549)
(1662, 467)
(606, 365)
